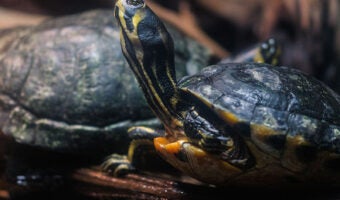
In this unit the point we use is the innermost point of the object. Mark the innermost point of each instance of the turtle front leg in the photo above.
(219, 140)
(117, 165)
(205, 134)
(141, 151)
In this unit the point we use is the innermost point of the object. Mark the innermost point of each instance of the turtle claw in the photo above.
(141, 146)
(117, 165)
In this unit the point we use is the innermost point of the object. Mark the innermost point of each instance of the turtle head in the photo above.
(269, 52)
(144, 39)
(149, 50)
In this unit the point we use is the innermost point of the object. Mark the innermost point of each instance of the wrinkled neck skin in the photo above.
(149, 50)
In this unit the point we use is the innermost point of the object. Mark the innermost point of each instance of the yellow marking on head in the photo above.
(137, 18)
(119, 4)
(170, 74)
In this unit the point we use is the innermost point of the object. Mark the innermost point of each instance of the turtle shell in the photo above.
(65, 86)
(281, 101)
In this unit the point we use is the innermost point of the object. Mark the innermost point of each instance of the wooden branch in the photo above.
(131, 182)
(152, 187)
(136, 186)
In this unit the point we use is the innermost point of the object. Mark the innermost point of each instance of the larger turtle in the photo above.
(63, 88)
(233, 123)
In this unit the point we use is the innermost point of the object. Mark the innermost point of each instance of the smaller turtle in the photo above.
(67, 96)
(268, 51)
(235, 123)
(63, 88)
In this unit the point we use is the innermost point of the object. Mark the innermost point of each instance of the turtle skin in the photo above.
(63, 88)
(288, 121)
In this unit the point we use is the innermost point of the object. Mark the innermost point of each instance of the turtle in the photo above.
(231, 124)
(268, 51)
(63, 89)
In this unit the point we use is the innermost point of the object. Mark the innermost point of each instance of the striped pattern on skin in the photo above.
(149, 63)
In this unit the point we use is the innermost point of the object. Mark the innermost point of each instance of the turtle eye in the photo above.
(135, 3)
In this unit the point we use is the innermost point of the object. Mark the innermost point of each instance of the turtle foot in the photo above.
(117, 165)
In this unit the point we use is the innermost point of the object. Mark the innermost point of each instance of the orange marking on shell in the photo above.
(229, 117)
(262, 131)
